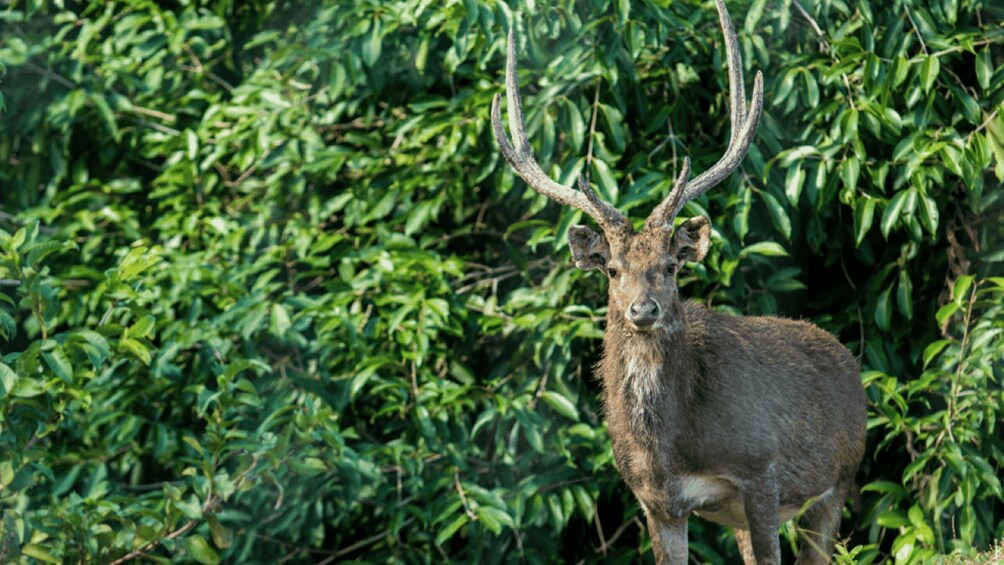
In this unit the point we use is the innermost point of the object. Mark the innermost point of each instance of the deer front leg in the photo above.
(669, 540)
(760, 504)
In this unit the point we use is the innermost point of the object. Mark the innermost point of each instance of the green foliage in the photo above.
(267, 290)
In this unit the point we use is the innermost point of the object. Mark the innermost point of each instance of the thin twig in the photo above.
(592, 128)
(211, 504)
(952, 404)
(850, 97)
(15, 221)
(251, 170)
(983, 125)
(49, 73)
(360, 544)
(973, 45)
(159, 127)
(920, 37)
(153, 113)
(599, 531)
(463, 498)
(812, 22)
(620, 531)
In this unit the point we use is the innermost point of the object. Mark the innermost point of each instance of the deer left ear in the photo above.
(589, 249)
(692, 239)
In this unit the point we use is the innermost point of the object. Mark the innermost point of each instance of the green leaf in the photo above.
(373, 44)
(8, 378)
(892, 519)
(198, 548)
(38, 552)
(945, 312)
(135, 262)
(929, 70)
(793, 181)
(811, 90)
(584, 501)
(576, 126)
(191, 144)
(883, 310)
(223, 537)
(753, 17)
(105, 111)
(768, 248)
(8, 326)
(60, 364)
(142, 327)
(904, 294)
(960, 291)
(606, 183)
(850, 170)
(95, 339)
(488, 520)
(929, 215)
(892, 212)
(933, 349)
(623, 11)
(863, 217)
(448, 532)
(279, 321)
(984, 68)
(38, 251)
(560, 404)
(422, 55)
(18, 239)
(137, 349)
(236, 367)
(308, 466)
(778, 215)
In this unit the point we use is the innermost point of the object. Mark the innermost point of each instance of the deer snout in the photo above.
(643, 312)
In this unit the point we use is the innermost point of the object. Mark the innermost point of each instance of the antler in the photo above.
(744, 124)
(521, 158)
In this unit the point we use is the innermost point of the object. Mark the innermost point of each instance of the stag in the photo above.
(744, 421)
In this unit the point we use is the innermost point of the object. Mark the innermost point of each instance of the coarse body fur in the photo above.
(703, 413)
(741, 420)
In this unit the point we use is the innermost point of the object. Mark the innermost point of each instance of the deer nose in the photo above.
(643, 312)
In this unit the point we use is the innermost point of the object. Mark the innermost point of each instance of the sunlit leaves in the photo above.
(263, 268)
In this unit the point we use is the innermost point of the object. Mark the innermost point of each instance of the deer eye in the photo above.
(671, 269)
(612, 272)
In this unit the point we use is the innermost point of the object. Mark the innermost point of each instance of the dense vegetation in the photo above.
(268, 292)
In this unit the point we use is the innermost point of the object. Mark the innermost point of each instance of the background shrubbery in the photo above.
(267, 291)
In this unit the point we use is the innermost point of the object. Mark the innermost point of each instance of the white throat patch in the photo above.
(642, 377)
(641, 386)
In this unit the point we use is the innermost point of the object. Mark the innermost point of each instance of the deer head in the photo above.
(641, 266)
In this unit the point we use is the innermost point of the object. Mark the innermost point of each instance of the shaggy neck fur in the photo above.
(646, 375)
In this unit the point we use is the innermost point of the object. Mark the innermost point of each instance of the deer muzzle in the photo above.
(643, 312)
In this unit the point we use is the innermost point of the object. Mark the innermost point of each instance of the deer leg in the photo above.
(669, 541)
(745, 546)
(820, 526)
(760, 504)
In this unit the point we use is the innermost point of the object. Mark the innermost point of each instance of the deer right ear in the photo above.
(589, 249)
(692, 239)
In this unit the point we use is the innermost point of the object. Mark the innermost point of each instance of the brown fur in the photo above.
(741, 420)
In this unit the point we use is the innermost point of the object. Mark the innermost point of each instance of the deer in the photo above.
(746, 421)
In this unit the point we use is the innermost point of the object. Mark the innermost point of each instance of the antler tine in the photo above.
(744, 122)
(517, 152)
(737, 87)
(673, 202)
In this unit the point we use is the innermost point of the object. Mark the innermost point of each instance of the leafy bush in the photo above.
(268, 292)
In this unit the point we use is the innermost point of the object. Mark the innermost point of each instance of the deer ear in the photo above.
(692, 239)
(589, 249)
